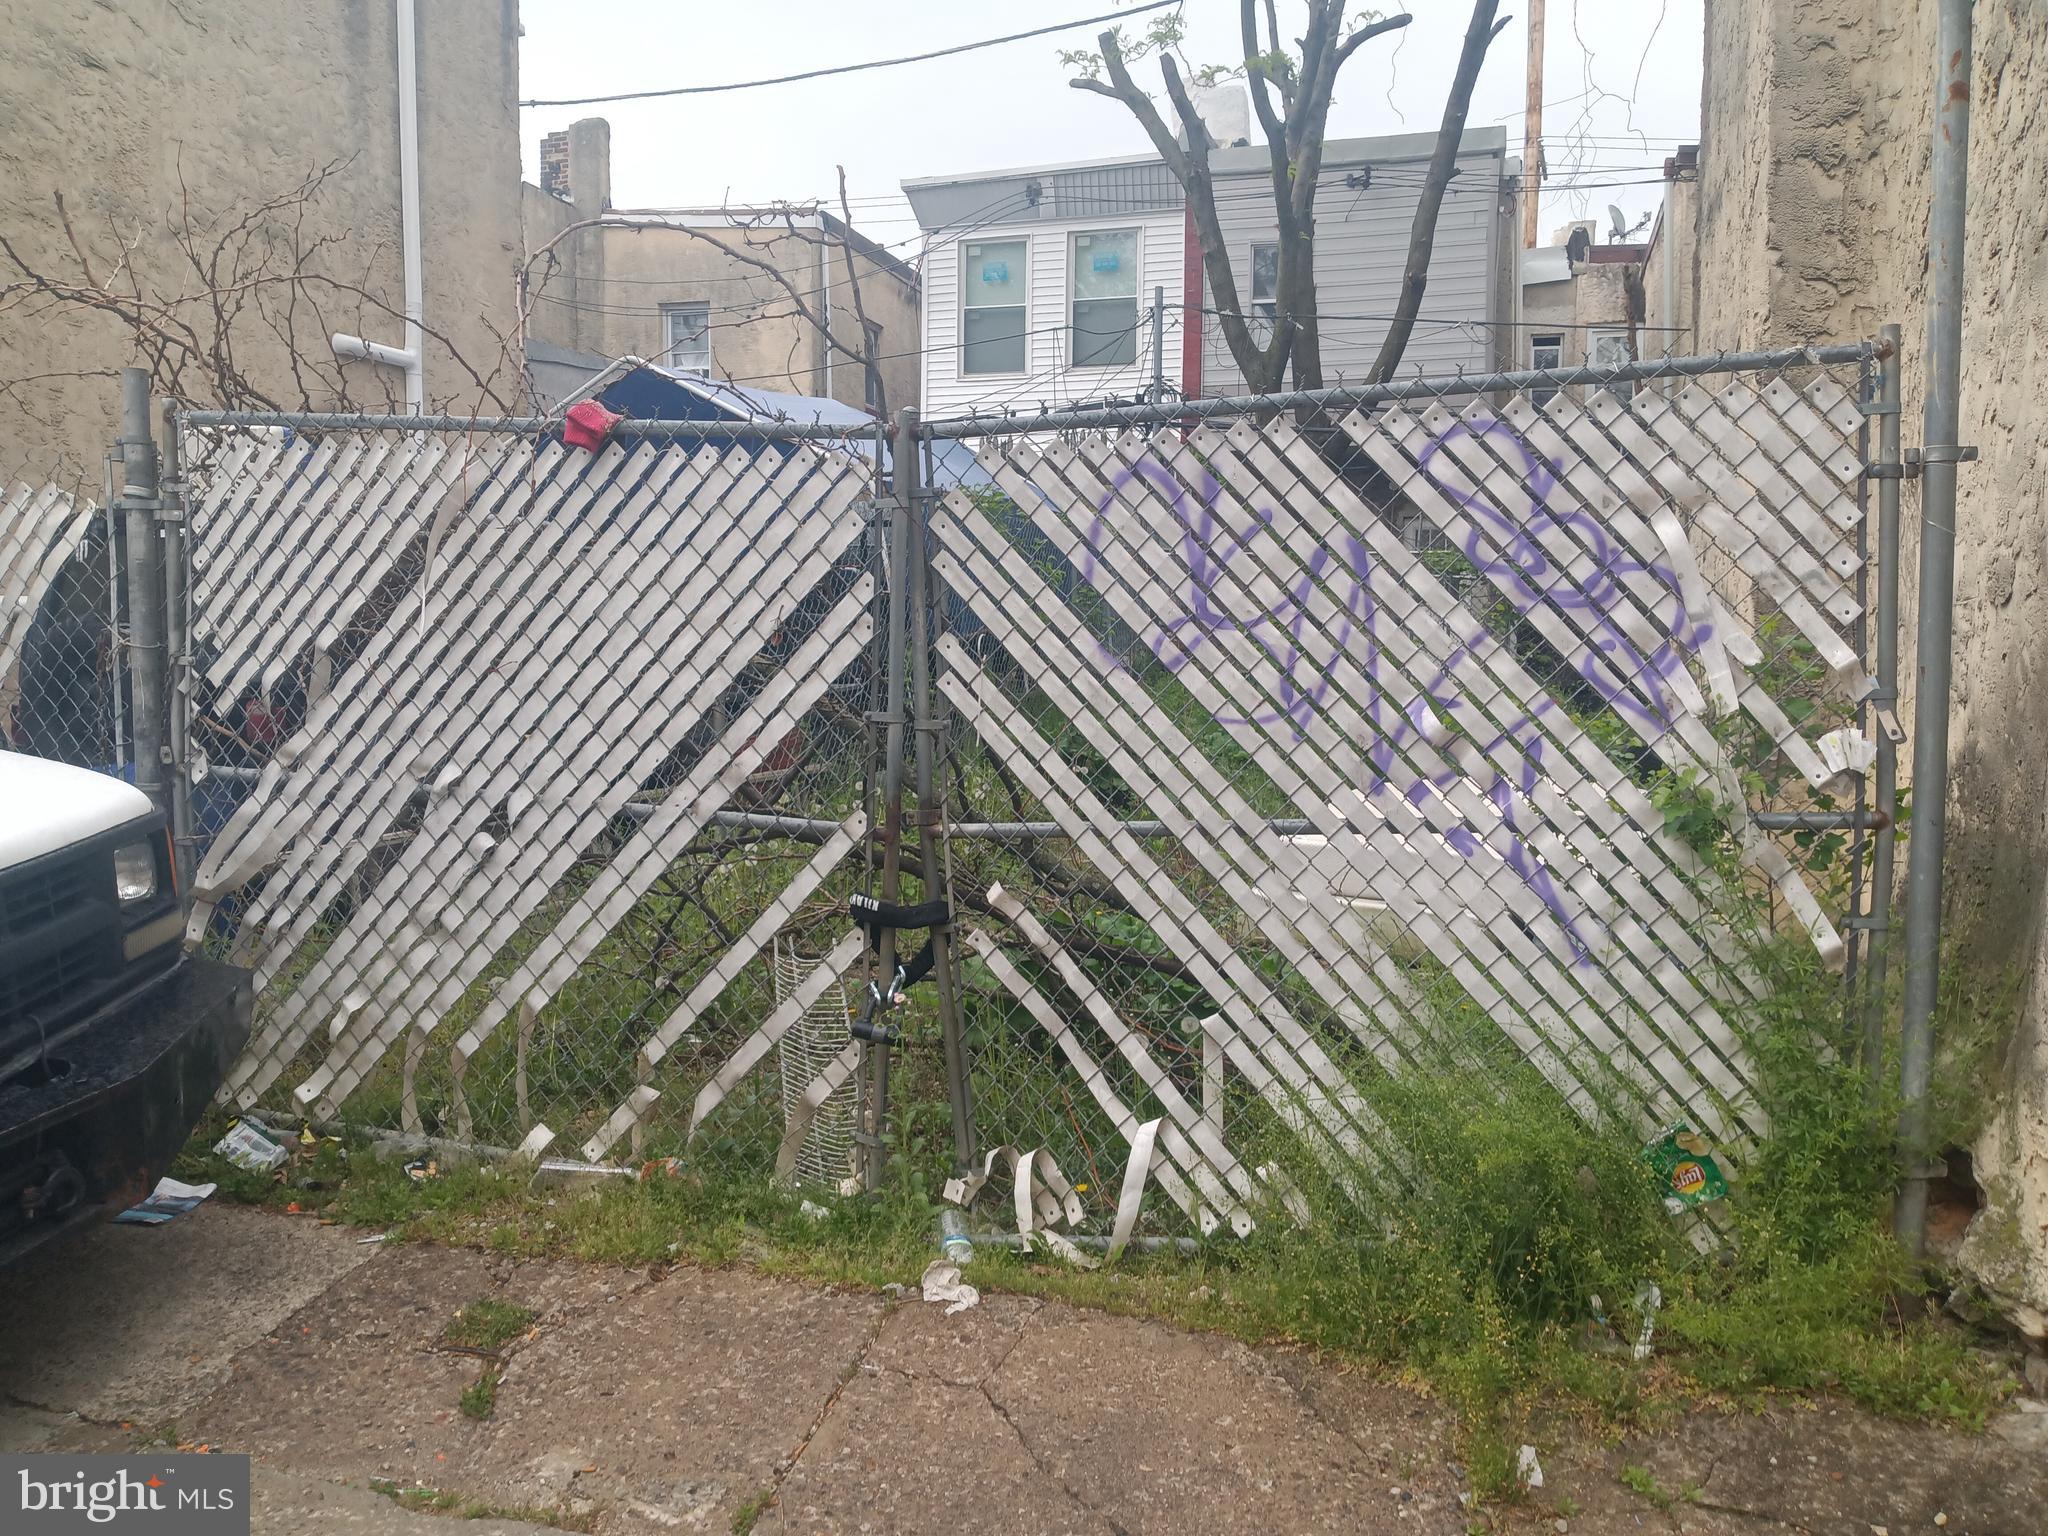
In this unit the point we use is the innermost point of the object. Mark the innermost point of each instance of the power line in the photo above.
(847, 69)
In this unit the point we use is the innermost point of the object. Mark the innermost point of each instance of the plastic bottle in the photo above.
(953, 1244)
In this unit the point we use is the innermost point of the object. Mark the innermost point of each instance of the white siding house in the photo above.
(1039, 283)
(1365, 210)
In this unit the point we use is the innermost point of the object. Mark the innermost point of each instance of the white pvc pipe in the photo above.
(409, 201)
(410, 357)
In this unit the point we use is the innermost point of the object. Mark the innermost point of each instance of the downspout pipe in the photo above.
(411, 357)
(1935, 633)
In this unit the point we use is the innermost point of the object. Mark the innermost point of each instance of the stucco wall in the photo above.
(1812, 226)
(606, 294)
(156, 114)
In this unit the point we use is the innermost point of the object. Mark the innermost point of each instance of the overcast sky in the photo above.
(1622, 88)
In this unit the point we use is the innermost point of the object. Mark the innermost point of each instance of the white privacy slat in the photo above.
(1206, 1157)
(1747, 434)
(1654, 434)
(270, 533)
(843, 957)
(337, 815)
(774, 915)
(1601, 798)
(477, 574)
(742, 627)
(1411, 854)
(280, 591)
(1181, 1155)
(1277, 1056)
(1406, 876)
(1587, 856)
(1212, 822)
(1730, 508)
(501, 594)
(659, 841)
(1835, 405)
(42, 528)
(1839, 454)
(422, 874)
(1601, 473)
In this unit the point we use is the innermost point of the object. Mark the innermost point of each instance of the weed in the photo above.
(1641, 1481)
(479, 1400)
(749, 1514)
(441, 1501)
(487, 1324)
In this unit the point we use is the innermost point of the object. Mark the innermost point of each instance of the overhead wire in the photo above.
(848, 69)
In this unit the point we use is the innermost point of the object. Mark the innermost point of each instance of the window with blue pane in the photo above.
(1105, 287)
(992, 308)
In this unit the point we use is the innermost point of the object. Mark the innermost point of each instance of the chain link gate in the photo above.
(1299, 744)
(1260, 752)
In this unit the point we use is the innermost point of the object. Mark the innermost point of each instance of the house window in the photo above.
(686, 337)
(1265, 281)
(1546, 354)
(992, 287)
(1610, 349)
(1106, 299)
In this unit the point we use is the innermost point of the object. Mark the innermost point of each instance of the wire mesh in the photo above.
(516, 765)
(1297, 746)
(1282, 750)
(64, 685)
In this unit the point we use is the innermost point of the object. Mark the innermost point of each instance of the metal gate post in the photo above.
(1885, 701)
(142, 583)
(177, 632)
(931, 802)
(903, 480)
(1935, 636)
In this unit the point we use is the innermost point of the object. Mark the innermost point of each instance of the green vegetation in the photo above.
(749, 1514)
(487, 1324)
(479, 1400)
(1640, 1480)
(440, 1501)
(1463, 1246)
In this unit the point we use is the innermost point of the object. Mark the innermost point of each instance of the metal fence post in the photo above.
(931, 801)
(1885, 701)
(1933, 641)
(143, 583)
(177, 631)
(903, 479)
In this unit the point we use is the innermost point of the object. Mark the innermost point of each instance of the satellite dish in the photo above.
(1619, 221)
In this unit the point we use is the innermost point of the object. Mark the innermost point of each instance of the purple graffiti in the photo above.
(1512, 553)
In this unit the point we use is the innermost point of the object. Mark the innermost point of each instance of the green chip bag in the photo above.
(1684, 1161)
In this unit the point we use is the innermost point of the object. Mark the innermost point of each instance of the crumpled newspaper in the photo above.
(942, 1282)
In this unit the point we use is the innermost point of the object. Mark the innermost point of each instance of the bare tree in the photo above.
(1290, 91)
(236, 289)
(751, 245)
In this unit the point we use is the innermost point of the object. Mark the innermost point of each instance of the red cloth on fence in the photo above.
(587, 423)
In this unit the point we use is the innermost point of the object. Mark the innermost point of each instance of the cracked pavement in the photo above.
(658, 1400)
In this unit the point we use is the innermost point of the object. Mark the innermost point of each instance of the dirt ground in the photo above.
(670, 1400)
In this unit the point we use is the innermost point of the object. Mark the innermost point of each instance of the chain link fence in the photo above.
(64, 676)
(1264, 756)
(1297, 748)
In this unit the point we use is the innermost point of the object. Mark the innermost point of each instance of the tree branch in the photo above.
(1479, 36)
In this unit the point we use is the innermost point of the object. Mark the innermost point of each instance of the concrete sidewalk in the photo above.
(665, 1400)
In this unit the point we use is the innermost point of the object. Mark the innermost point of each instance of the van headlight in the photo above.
(135, 873)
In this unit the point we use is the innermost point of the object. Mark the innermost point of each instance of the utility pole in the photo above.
(1532, 130)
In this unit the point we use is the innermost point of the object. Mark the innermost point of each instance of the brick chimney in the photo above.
(554, 164)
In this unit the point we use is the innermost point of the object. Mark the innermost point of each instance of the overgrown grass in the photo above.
(440, 1501)
(487, 1324)
(1474, 1274)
